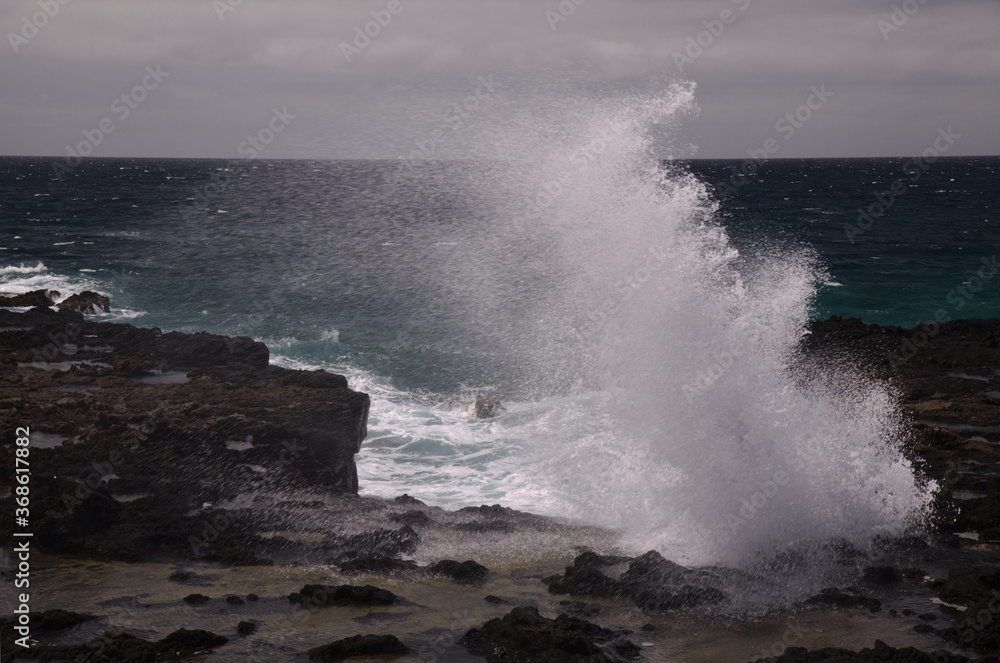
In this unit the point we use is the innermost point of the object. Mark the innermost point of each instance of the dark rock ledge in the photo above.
(116, 647)
(137, 433)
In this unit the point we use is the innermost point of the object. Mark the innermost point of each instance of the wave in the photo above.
(22, 269)
(661, 388)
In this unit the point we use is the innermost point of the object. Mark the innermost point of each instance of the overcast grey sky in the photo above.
(896, 72)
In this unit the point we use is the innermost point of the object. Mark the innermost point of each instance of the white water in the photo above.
(654, 369)
(662, 394)
(22, 278)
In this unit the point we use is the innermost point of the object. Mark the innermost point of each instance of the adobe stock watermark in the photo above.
(257, 143)
(122, 106)
(721, 362)
(223, 7)
(561, 13)
(698, 44)
(216, 523)
(550, 192)
(372, 29)
(30, 26)
(913, 169)
(651, 261)
(251, 148)
(958, 297)
(899, 17)
(793, 633)
(453, 119)
(786, 127)
(117, 459)
(757, 500)
(970, 624)
(460, 625)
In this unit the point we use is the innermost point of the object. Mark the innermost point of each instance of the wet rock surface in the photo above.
(467, 571)
(879, 653)
(834, 597)
(321, 596)
(387, 646)
(968, 584)
(978, 628)
(650, 582)
(174, 424)
(57, 620)
(488, 407)
(119, 648)
(86, 302)
(524, 635)
(33, 298)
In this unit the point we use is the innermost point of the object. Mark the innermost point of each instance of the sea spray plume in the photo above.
(763, 459)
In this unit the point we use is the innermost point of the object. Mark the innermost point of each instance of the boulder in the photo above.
(88, 302)
(467, 571)
(488, 407)
(651, 582)
(185, 642)
(524, 635)
(978, 628)
(968, 584)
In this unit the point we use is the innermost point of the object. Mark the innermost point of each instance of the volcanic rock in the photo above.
(467, 571)
(881, 575)
(86, 302)
(153, 415)
(33, 298)
(967, 584)
(879, 653)
(524, 635)
(412, 518)
(651, 582)
(384, 543)
(360, 646)
(122, 647)
(977, 628)
(584, 577)
(185, 642)
(488, 407)
(379, 565)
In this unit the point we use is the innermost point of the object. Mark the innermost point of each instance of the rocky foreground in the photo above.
(145, 445)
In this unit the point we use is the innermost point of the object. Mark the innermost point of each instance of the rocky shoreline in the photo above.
(146, 445)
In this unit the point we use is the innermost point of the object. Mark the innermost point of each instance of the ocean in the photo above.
(634, 314)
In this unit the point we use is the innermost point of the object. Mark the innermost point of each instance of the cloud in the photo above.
(941, 66)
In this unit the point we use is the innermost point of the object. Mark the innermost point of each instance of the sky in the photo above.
(204, 78)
